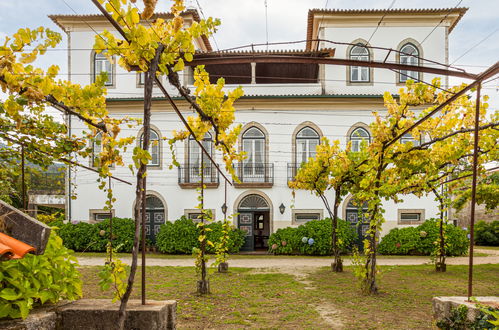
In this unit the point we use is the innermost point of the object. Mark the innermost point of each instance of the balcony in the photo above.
(189, 176)
(46, 183)
(292, 170)
(254, 175)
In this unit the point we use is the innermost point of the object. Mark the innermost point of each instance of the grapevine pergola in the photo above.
(225, 57)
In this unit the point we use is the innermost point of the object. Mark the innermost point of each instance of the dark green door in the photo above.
(155, 217)
(355, 215)
(245, 223)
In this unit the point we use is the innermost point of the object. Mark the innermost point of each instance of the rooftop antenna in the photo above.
(266, 24)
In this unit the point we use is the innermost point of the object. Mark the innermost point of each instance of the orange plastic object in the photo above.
(18, 249)
(5, 251)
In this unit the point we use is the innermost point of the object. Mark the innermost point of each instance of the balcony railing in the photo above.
(292, 170)
(46, 183)
(255, 173)
(190, 175)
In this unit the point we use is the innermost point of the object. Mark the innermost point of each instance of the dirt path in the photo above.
(286, 263)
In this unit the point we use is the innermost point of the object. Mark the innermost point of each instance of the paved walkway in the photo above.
(299, 262)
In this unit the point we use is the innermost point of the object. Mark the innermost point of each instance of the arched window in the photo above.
(254, 147)
(409, 55)
(359, 73)
(408, 138)
(96, 150)
(197, 158)
(102, 64)
(307, 140)
(357, 136)
(154, 147)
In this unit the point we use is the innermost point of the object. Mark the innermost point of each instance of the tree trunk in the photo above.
(203, 286)
(337, 265)
(140, 188)
(440, 265)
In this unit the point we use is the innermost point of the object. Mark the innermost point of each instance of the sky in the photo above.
(243, 22)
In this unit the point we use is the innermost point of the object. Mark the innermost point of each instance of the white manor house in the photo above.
(286, 110)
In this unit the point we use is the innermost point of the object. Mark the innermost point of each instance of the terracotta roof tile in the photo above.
(11, 248)
(57, 17)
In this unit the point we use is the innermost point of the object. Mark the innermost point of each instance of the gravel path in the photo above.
(286, 263)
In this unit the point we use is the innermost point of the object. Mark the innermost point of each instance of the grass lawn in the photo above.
(404, 301)
(244, 298)
(246, 256)
(496, 248)
(238, 299)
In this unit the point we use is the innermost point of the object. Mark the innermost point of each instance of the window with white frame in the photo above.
(307, 140)
(254, 146)
(408, 138)
(357, 136)
(359, 73)
(101, 216)
(96, 150)
(410, 216)
(154, 147)
(197, 157)
(300, 218)
(102, 64)
(409, 56)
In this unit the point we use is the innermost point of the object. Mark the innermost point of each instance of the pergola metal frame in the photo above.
(227, 59)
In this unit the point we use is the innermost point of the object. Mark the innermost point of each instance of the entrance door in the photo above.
(356, 216)
(261, 228)
(246, 224)
(155, 216)
(254, 215)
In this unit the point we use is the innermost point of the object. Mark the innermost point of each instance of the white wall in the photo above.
(280, 125)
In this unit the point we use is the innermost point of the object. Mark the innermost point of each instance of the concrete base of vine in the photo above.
(203, 287)
(103, 314)
(337, 267)
(98, 314)
(440, 267)
(223, 267)
(443, 307)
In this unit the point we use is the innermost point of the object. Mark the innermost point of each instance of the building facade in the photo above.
(286, 109)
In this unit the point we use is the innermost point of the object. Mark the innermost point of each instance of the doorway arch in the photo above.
(156, 214)
(255, 219)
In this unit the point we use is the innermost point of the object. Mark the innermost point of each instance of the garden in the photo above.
(383, 168)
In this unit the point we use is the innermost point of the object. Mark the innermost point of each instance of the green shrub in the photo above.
(177, 237)
(421, 240)
(292, 240)
(487, 233)
(401, 241)
(83, 236)
(123, 234)
(36, 280)
(236, 237)
(181, 236)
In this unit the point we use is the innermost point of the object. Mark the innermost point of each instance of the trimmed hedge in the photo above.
(181, 236)
(421, 240)
(487, 233)
(83, 236)
(291, 240)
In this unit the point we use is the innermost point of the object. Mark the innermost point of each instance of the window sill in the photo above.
(194, 185)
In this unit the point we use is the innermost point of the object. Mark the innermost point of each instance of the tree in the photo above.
(163, 48)
(330, 169)
(394, 168)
